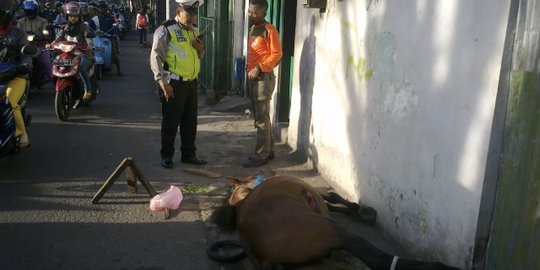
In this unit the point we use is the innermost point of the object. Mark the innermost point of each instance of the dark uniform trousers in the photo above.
(180, 111)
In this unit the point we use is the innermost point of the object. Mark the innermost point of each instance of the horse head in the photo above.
(225, 216)
(241, 188)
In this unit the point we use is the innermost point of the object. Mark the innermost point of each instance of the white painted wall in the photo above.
(400, 97)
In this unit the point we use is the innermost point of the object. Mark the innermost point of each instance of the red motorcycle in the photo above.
(66, 67)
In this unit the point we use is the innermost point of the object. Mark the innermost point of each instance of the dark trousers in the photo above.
(180, 111)
(142, 36)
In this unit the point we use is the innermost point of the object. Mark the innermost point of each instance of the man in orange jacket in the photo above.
(264, 54)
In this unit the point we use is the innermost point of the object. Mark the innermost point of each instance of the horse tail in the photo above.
(225, 217)
(377, 259)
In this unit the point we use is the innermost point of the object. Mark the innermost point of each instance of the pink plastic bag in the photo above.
(169, 199)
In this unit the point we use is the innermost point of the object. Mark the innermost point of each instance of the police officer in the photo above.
(175, 62)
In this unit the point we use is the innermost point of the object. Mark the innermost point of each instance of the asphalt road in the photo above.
(47, 220)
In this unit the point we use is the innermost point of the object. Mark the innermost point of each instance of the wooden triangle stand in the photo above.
(133, 174)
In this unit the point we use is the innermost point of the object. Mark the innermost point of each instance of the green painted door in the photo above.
(508, 235)
(282, 14)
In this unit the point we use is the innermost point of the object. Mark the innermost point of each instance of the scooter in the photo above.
(40, 65)
(66, 73)
(102, 52)
(9, 142)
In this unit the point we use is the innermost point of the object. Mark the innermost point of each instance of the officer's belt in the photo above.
(177, 77)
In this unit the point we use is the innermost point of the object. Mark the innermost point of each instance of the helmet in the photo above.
(190, 6)
(30, 8)
(30, 5)
(72, 8)
(190, 2)
(102, 4)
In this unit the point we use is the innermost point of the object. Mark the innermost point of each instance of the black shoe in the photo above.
(270, 156)
(255, 162)
(119, 74)
(194, 160)
(167, 163)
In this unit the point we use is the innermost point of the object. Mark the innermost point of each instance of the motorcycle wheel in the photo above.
(16, 149)
(99, 72)
(62, 104)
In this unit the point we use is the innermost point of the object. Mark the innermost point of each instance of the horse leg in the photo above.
(363, 213)
(377, 259)
(334, 198)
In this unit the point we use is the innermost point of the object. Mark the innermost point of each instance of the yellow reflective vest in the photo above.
(182, 59)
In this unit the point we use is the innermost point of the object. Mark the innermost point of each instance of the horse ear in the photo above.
(238, 195)
(234, 181)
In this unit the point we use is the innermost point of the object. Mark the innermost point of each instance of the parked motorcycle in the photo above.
(66, 73)
(9, 142)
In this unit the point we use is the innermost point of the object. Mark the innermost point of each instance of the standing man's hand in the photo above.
(168, 92)
(254, 73)
(198, 45)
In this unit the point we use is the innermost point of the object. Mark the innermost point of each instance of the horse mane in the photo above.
(225, 216)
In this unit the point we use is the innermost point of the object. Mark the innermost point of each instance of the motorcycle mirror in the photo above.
(30, 49)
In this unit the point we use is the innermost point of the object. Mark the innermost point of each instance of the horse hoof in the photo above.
(367, 215)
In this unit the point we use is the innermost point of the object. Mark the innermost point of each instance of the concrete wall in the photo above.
(396, 100)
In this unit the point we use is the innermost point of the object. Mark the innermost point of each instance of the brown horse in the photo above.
(284, 222)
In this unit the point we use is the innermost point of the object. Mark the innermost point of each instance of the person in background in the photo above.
(105, 22)
(60, 18)
(152, 20)
(264, 54)
(31, 22)
(142, 26)
(92, 13)
(75, 30)
(177, 77)
(12, 39)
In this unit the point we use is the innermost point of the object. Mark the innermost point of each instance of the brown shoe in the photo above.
(255, 162)
(87, 96)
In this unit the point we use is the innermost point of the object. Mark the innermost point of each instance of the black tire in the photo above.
(214, 253)
(15, 149)
(62, 104)
(99, 72)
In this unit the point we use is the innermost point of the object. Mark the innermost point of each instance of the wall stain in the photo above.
(357, 66)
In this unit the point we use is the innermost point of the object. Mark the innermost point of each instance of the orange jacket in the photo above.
(264, 47)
